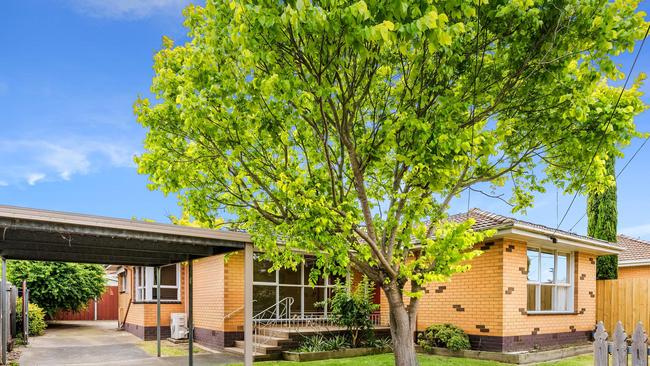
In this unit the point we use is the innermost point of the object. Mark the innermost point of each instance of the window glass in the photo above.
(167, 293)
(261, 270)
(546, 298)
(313, 295)
(562, 268)
(547, 267)
(533, 265)
(291, 292)
(264, 298)
(167, 274)
(532, 298)
(289, 276)
(562, 301)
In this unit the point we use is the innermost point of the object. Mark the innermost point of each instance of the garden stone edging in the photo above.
(520, 358)
(326, 355)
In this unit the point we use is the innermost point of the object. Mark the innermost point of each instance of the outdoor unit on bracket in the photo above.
(178, 326)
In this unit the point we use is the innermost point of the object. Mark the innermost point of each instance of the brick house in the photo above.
(532, 287)
(634, 262)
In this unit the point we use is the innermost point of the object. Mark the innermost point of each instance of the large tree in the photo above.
(602, 216)
(345, 128)
(58, 286)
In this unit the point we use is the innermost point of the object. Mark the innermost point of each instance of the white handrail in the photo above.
(275, 310)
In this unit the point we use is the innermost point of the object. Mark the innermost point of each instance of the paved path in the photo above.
(87, 343)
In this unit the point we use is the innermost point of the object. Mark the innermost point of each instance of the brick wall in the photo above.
(471, 300)
(209, 293)
(489, 302)
(233, 296)
(634, 272)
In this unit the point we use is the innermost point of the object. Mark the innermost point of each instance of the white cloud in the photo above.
(34, 161)
(129, 9)
(33, 178)
(637, 231)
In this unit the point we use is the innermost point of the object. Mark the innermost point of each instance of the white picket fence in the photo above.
(619, 347)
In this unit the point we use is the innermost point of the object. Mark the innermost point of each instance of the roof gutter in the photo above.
(634, 263)
(591, 245)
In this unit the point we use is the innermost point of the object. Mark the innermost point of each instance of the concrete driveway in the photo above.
(99, 343)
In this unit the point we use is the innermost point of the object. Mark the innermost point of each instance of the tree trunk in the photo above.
(401, 328)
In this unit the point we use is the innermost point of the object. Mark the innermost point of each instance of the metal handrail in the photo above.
(227, 316)
(276, 310)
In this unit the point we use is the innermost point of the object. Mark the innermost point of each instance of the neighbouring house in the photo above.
(533, 287)
(634, 262)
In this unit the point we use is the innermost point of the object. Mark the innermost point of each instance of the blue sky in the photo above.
(69, 73)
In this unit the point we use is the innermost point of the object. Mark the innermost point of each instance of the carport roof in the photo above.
(33, 234)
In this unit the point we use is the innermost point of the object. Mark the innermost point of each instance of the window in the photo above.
(271, 287)
(146, 282)
(550, 281)
(122, 283)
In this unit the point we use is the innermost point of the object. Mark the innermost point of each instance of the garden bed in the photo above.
(521, 358)
(326, 355)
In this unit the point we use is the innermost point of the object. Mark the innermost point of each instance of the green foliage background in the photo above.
(57, 286)
(602, 214)
(36, 314)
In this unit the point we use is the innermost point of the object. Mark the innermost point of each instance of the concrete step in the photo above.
(260, 347)
(256, 355)
(274, 332)
(274, 341)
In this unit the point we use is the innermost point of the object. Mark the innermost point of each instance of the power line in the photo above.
(609, 121)
(617, 175)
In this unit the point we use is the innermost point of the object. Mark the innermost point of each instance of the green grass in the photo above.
(425, 360)
(167, 348)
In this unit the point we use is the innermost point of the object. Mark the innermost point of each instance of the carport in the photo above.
(31, 234)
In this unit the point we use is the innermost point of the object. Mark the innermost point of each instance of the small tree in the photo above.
(353, 309)
(57, 286)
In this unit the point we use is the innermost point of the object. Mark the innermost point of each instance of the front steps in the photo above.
(268, 344)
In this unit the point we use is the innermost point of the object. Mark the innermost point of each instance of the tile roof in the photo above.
(485, 220)
(635, 249)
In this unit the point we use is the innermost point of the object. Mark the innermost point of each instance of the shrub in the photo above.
(337, 342)
(443, 335)
(384, 343)
(353, 309)
(318, 343)
(36, 315)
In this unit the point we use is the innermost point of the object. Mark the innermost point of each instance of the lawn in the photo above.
(425, 360)
(167, 348)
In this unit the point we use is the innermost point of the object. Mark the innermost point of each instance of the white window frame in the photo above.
(303, 284)
(144, 291)
(538, 284)
(123, 281)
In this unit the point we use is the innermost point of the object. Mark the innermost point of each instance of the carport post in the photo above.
(190, 305)
(3, 299)
(158, 311)
(248, 304)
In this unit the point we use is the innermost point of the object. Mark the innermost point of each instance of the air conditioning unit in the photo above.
(178, 326)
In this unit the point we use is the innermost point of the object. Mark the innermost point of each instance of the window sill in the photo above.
(537, 313)
(155, 302)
